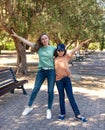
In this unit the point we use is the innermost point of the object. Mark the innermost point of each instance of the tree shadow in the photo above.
(12, 105)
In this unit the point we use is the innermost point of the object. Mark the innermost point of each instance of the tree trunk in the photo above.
(21, 53)
(21, 57)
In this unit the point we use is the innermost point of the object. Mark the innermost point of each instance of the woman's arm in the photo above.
(72, 52)
(22, 39)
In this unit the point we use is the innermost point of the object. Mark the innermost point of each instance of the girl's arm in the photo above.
(23, 39)
(72, 52)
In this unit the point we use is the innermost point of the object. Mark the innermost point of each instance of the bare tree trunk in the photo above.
(21, 53)
(21, 57)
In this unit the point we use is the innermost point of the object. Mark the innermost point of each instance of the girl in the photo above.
(45, 70)
(63, 80)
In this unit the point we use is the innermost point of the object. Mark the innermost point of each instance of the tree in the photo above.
(65, 21)
(21, 15)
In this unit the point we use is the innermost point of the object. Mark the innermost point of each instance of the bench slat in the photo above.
(6, 77)
(6, 83)
(6, 74)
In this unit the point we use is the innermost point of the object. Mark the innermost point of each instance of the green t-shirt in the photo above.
(46, 58)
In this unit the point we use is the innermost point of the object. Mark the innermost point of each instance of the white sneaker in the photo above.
(48, 114)
(27, 110)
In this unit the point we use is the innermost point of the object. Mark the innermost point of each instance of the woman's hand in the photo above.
(13, 34)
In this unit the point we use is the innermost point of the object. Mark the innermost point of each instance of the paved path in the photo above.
(92, 65)
(91, 103)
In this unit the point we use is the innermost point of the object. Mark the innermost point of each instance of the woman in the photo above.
(63, 80)
(45, 70)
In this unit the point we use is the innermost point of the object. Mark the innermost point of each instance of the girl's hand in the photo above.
(86, 41)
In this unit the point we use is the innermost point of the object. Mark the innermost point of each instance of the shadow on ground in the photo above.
(12, 105)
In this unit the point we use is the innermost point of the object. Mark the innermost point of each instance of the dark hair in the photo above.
(39, 43)
(56, 54)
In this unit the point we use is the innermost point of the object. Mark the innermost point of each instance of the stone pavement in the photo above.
(91, 102)
(92, 65)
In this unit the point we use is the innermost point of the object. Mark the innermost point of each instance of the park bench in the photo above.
(8, 82)
(88, 53)
(79, 57)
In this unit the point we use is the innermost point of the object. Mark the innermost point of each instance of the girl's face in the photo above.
(45, 40)
(60, 53)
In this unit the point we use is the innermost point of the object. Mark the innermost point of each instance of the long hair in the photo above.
(56, 54)
(39, 43)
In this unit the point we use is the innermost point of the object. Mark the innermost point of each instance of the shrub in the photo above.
(93, 46)
(9, 46)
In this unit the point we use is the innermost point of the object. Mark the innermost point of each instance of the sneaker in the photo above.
(83, 119)
(27, 110)
(48, 114)
(61, 117)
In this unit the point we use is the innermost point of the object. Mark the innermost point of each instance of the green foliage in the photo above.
(102, 44)
(94, 46)
(9, 46)
(6, 42)
(61, 19)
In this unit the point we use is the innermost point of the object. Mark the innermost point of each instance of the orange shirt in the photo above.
(62, 67)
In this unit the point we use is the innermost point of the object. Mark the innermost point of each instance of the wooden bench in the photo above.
(79, 57)
(8, 82)
(88, 53)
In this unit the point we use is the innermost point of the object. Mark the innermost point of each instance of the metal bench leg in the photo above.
(12, 91)
(24, 91)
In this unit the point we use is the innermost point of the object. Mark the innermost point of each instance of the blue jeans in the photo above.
(65, 85)
(40, 77)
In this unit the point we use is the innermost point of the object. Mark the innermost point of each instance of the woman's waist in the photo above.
(45, 67)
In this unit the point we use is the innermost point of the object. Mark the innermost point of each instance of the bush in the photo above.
(93, 46)
(9, 46)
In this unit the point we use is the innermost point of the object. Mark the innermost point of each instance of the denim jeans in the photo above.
(65, 85)
(40, 77)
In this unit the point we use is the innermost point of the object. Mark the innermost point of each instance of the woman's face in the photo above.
(60, 53)
(45, 40)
